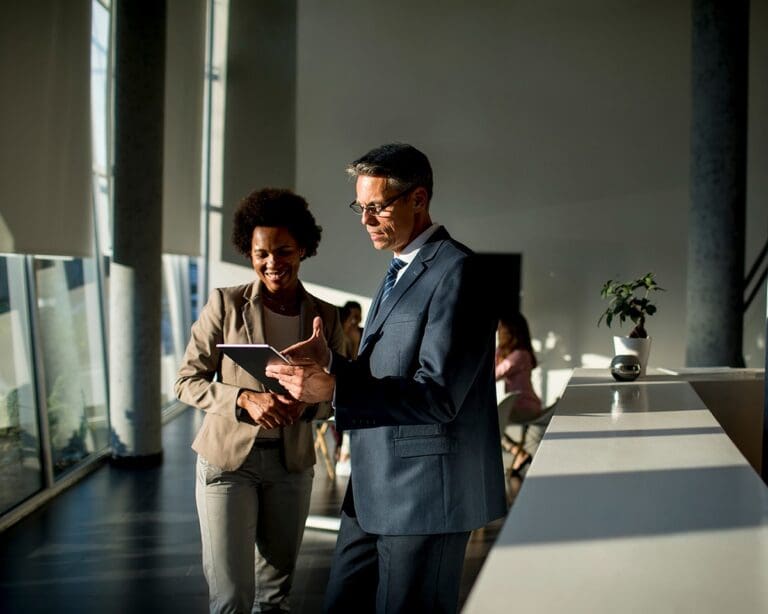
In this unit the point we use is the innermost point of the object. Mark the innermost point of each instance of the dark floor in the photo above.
(127, 542)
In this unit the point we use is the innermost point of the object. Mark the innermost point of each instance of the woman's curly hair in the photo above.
(277, 208)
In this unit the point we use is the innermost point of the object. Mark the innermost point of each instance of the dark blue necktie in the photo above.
(389, 281)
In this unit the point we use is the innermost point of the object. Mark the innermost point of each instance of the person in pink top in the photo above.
(514, 362)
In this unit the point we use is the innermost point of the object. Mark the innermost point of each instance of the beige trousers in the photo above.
(251, 525)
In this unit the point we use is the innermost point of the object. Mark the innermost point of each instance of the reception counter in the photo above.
(637, 501)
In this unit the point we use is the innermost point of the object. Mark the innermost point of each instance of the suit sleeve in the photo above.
(195, 383)
(457, 343)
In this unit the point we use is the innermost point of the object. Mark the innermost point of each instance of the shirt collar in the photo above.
(411, 250)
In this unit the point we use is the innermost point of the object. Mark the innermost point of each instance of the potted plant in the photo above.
(630, 300)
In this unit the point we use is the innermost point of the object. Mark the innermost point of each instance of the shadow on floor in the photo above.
(128, 542)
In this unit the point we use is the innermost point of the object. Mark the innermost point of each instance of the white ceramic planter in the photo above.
(636, 347)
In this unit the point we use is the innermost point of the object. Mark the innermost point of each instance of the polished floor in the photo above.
(127, 542)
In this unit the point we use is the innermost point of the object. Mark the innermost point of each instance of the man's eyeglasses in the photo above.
(378, 209)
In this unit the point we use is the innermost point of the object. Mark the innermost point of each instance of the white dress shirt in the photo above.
(411, 250)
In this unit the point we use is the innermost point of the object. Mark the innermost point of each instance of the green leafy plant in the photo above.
(629, 301)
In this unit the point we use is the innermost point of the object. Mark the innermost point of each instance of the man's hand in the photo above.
(270, 410)
(307, 381)
(314, 349)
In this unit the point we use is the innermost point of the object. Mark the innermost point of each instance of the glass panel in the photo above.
(176, 321)
(99, 76)
(194, 291)
(100, 80)
(21, 473)
(217, 79)
(72, 357)
(102, 213)
(168, 363)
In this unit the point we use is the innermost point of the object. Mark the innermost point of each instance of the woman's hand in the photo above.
(270, 410)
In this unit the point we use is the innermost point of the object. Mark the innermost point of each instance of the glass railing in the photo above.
(72, 358)
(21, 472)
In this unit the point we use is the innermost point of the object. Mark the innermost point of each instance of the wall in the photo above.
(259, 130)
(558, 130)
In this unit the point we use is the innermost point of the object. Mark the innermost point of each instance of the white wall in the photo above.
(556, 129)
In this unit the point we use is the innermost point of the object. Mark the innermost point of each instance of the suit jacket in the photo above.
(212, 382)
(420, 402)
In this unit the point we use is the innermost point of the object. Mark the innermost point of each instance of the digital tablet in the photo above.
(254, 358)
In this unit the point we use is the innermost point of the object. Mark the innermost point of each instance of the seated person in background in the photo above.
(351, 316)
(514, 362)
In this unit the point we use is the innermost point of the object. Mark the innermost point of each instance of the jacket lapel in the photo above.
(308, 312)
(380, 311)
(253, 316)
(412, 273)
(373, 309)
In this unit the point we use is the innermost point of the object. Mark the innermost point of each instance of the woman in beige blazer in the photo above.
(255, 451)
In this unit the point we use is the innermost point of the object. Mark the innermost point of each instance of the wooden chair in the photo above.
(321, 447)
(507, 418)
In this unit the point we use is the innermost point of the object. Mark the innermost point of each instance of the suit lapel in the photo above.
(412, 273)
(379, 312)
(307, 314)
(253, 316)
(372, 311)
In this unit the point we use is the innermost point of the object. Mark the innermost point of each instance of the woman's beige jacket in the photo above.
(211, 381)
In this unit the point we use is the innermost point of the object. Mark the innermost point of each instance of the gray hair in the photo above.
(402, 165)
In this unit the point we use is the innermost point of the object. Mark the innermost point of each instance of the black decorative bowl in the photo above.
(625, 367)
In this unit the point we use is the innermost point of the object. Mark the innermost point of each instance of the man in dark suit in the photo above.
(419, 403)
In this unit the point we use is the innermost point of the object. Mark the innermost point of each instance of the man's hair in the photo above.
(401, 164)
(275, 208)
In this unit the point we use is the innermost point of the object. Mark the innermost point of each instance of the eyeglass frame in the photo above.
(378, 209)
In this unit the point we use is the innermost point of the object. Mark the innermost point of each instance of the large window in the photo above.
(100, 122)
(176, 314)
(72, 359)
(54, 399)
(21, 473)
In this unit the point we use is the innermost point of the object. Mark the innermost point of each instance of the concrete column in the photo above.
(716, 238)
(135, 287)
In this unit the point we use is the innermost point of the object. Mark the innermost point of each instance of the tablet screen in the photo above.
(254, 358)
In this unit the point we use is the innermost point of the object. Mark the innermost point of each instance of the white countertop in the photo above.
(636, 501)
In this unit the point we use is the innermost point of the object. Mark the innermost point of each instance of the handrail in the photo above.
(756, 287)
(752, 271)
(756, 265)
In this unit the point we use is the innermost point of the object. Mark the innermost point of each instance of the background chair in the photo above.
(509, 418)
(322, 447)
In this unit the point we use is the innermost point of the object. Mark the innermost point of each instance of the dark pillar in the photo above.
(718, 182)
(136, 273)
